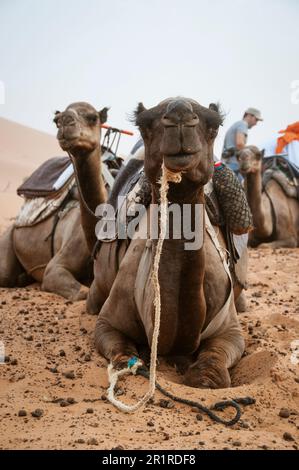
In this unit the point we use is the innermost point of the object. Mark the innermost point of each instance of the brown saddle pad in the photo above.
(41, 182)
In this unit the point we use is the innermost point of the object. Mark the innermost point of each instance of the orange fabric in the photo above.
(290, 133)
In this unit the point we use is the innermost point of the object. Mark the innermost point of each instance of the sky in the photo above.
(118, 52)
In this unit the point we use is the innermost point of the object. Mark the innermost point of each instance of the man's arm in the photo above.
(240, 140)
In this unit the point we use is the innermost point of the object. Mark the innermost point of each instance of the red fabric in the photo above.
(290, 133)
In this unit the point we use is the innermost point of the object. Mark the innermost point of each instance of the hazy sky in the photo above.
(118, 52)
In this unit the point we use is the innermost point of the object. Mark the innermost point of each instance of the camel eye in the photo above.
(92, 118)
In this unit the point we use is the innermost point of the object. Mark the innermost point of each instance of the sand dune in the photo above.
(22, 150)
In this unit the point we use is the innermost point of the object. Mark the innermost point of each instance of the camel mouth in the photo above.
(178, 162)
(75, 143)
(67, 143)
(245, 169)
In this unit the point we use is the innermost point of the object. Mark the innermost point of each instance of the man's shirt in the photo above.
(230, 136)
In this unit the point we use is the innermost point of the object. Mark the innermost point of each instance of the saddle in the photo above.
(284, 172)
(226, 204)
(55, 174)
(52, 188)
(49, 179)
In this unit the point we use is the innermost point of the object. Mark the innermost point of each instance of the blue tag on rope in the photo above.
(132, 361)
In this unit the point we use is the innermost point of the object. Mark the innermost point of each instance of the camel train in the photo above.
(199, 289)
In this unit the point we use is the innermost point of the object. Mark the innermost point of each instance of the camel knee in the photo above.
(95, 299)
(59, 280)
(241, 303)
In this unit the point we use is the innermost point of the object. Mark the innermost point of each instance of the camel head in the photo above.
(180, 132)
(79, 127)
(250, 160)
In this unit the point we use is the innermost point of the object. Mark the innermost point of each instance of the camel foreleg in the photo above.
(216, 356)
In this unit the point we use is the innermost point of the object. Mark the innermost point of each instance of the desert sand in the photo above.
(53, 366)
(53, 383)
(22, 150)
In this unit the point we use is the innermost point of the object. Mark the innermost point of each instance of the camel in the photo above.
(26, 251)
(275, 214)
(195, 285)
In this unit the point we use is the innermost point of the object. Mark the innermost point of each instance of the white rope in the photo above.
(115, 374)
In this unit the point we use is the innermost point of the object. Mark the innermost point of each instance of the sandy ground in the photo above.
(53, 367)
(22, 150)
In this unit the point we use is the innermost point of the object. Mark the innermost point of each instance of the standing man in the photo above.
(236, 137)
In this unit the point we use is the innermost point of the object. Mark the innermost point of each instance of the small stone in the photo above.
(150, 423)
(71, 400)
(166, 436)
(87, 357)
(284, 413)
(194, 409)
(288, 437)
(54, 370)
(78, 348)
(119, 447)
(199, 417)
(89, 410)
(22, 413)
(64, 403)
(62, 353)
(29, 338)
(14, 362)
(103, 397)
(37, 413)
(69, 375)
(166, 403)
(80, 441)
(92, 442)
(201, 443)
(237, 443)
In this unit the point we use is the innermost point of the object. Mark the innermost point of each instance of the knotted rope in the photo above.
(167, 176)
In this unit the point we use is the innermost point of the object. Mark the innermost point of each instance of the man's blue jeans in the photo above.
(235, 167)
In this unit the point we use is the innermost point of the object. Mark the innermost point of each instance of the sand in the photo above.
(49, 342)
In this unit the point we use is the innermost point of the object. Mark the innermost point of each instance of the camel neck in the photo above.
(260, 210)
(181, 274)
(90, 180)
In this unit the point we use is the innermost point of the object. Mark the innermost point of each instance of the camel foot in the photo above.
(207, 372)
(241, 303)
(120, 361)
(81, 295)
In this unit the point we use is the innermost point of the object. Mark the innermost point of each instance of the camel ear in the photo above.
(140, 108)
(215, 119)
(103, 114)
(56, 114)
(214, 107)
(262, 153)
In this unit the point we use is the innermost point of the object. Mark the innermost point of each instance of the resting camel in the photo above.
(194, 284)
(26, 251)
(275, 215)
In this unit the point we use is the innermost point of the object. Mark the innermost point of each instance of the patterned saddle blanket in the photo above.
(284, 172)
